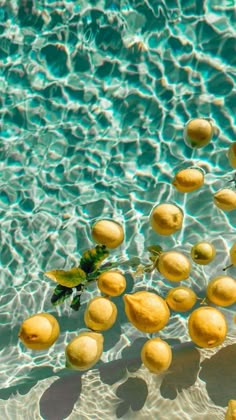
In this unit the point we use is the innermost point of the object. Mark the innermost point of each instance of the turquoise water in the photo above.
(94, 99)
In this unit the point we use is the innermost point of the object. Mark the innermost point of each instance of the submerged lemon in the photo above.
(231, 410)
(222, 291)
(232, 155)
(156, 355)
(188, 180)
(100, 314)
(207, 327)
(198, 132)
(166, 219)
(174, 266)
(203, 253)
(147, 311)
(39, 331)
(84, 351)
(108, 233)
(225, 199)
(111, 283)
(181, 298)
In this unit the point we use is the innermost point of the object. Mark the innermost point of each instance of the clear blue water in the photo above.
(94, 99)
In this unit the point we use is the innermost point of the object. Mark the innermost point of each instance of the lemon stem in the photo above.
(228, 266)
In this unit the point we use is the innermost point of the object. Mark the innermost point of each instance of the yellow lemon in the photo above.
(156, 355)
(111, 283)
(203, 253)
(147, 311)
(233, 254)
(188, 180)
(232, 155)
(207, 327)
(166, 219)
(108, 233)
(198, 132)
(222, 291)
(225, 199)
(181, 299)
(39, 331)
(231, 411)
(84, 351)
(174, 266)
(100, 314)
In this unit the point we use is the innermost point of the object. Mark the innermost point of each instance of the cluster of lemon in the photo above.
(147, 311)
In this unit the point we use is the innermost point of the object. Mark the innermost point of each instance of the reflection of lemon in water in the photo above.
(147, 311)
(166, 219)
(39, 331)
(156, 355)
(207, 327)
(198, 132)
(222, 291)
(203, 253)
(111, 283)
(181, 298)
(188, 180)
(231, 411)
(84, 351)
(225, 199)
(100, 314)
(174, 266)
(108, 233)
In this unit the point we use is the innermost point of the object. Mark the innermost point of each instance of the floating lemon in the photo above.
(203, 253)
(100, 314)
(188, 180)
(166, 219)
(108, 233)
(156, 355)
(181, 299)
(174, 266)
(147, 311)
(39, 331)
(198, 132)
(232, 155)
(84, 351)
(225, 199)
(231, 411)
(232, 253)
(207, 327)
(222, 291)
(111, 283)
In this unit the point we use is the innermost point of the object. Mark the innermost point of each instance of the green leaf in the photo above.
(70, 278)
(92, 258)
(61, 293)
(75, 304)
(154, 249)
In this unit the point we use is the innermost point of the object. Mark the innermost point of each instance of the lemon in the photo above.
(203, 253)
(233, 254)
(166, 219)
(84, 351)
(207, 327)
(188, 180)
(147, 311)
(100, 314)
(231, 411)
(181, 299)
(198, 132)
(232, 155)
(222, 291)
(108, 233)
(156, 355)
(39, 331)
(225, 199)
(111, 283)
(174, 266)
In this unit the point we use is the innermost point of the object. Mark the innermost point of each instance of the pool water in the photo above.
(94, 99)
